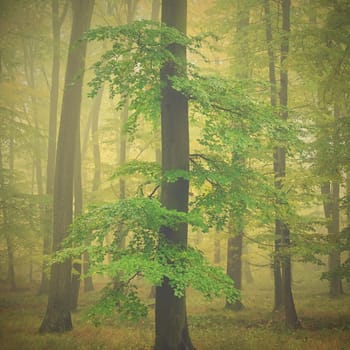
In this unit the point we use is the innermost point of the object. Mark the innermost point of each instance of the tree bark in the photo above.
(51, 152)
(291, 317)
(58, 317)
(273, 101)
(170, 311)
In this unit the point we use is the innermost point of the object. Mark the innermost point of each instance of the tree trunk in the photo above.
(273, 101)
(51, 152)
(95, 140)
(29, 61)
(122, 147)
(58, 317)
(170, 311)
(247, 271)
(10, 262)
(330, 193)
(158, 153)
(78, 208)
(6, 217)
(236, 226)
(93, 121)
(291, 317)
(234, 266)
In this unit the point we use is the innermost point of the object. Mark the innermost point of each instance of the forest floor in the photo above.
(325, 323)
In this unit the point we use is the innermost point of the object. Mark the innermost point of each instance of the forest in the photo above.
(174, 175)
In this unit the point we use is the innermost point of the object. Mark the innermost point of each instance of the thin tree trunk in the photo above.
(58, 317)
(93, 121)
(291, 317)
(29, 72)
(158, 153)
(236, 226)
(11, 276)
(330, 193)
(122, 147)
(51, 152)
(78, 208)
(234, 266)
(273, 101)
(6, 218)
(95, 140)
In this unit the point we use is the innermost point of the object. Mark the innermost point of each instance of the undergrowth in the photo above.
(325, 323)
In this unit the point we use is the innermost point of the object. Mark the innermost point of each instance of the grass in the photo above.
(325, 323)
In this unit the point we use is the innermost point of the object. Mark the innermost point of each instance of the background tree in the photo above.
(282, 228)
(57, 317)
(57, 21)
(236, 224)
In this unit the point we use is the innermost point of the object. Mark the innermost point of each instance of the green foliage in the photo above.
(147, 254)
(127, 304)
(132, 66)
(238, 135)
(149, 170)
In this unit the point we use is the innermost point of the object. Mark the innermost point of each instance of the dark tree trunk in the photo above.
(170, 311)
(51, 153)
(291, 317)
(58, 317)
(273, 100)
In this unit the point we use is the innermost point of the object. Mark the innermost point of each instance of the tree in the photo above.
(236, 224)
(7, 220)
(57, 317)
(273, 100)
(156, 249)
(57, 21)
(282, 228)
(324, 68)
(171, 319)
